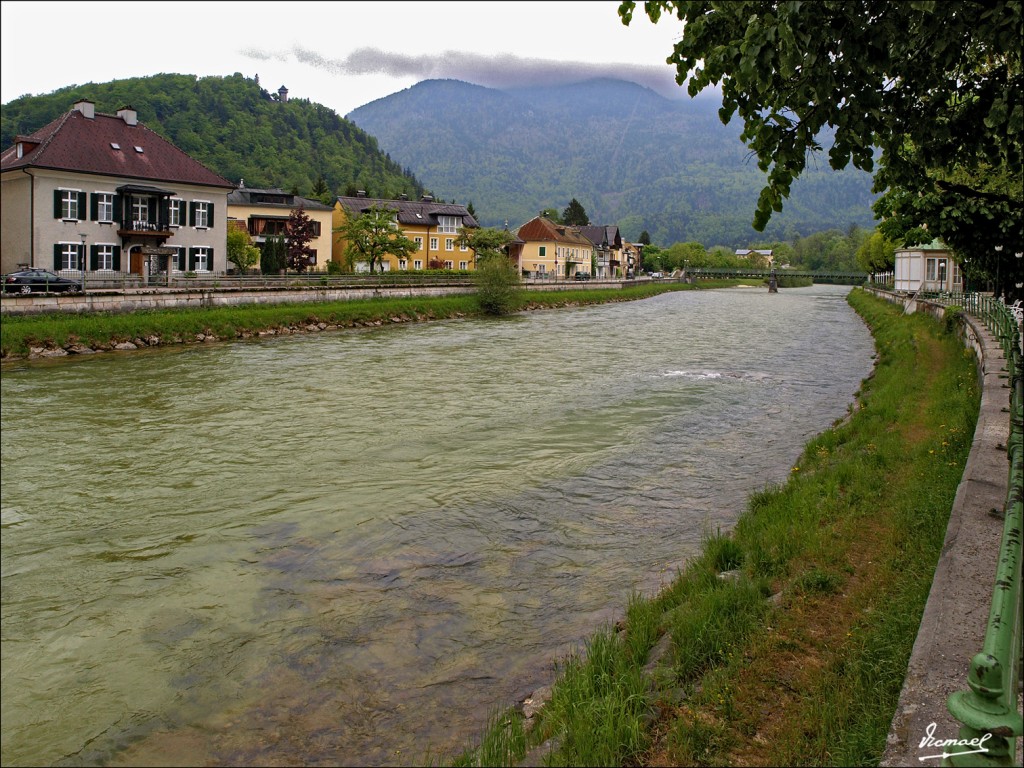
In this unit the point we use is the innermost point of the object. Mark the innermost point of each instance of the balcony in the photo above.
(137, 227)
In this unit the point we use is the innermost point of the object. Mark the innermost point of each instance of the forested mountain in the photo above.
(237, 129)
(630, 156)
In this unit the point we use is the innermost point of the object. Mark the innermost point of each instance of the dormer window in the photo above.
(115, 145)
(448, 224)
(139, 150)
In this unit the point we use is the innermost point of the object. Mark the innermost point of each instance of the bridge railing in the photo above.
(988, 711)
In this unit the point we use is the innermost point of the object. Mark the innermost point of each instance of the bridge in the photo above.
(820, 276)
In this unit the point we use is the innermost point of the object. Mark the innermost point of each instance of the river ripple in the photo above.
(350, 547)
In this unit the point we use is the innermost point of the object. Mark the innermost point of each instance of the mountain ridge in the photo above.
(631, 156)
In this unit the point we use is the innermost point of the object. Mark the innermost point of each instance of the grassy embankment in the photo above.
(18, 333)
(798, 660)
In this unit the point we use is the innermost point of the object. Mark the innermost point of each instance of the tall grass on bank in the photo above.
(798, 656)
(18, 333)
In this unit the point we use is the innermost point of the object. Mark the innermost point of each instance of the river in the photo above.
(352, 547)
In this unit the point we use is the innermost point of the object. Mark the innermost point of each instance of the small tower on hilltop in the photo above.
(282, 93)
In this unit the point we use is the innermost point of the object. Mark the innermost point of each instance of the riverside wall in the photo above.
(956, 614)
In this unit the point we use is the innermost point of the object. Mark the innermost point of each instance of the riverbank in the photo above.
(59, 335)
(786, 642)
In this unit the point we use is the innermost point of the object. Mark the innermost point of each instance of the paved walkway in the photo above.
(955, 616)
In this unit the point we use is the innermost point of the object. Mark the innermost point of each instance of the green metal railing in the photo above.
(990, 721)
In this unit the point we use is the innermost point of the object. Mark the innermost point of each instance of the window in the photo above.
(68, 256)
(403, 264)
(202, 214)
(931, 270)
(104, 257)
(447, 265)
(543, 251)
(201, 259)
(175, 213)
(449, 244)
(433, 243)
(68, 204)
(417, 264)
(463, 265)
(140, 212)
(179, 259)
(463, 247)
(104, 206)
(419, 243)
(448, 225)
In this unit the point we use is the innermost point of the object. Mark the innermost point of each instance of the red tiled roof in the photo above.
(76, 143)
(540, 228)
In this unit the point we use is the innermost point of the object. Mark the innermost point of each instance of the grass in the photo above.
(798, 659)
(101, 330)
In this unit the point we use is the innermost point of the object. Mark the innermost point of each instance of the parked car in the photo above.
(583, 275)
(38, 281)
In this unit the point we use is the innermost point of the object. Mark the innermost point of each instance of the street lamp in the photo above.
(81, 257)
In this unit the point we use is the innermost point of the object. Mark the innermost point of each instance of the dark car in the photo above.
(38, 281)
(583, 275)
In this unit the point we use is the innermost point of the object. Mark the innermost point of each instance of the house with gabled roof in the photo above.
(608, 249)
(263, 213)
(553, 250)
(94, 193)
(434, 226)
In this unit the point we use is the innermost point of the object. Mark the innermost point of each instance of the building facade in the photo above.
(264, 213)
(102, 194)
(434, 227)
(554, 251)
(929, 268)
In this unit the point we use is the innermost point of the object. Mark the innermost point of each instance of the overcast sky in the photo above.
(340, 54)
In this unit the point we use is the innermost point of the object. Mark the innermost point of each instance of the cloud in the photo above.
(500, 71)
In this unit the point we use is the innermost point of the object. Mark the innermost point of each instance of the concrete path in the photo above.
(953, 625)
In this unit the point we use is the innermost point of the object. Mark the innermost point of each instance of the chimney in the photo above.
(241, 183)
(86, 107)
(360, 193)
(427, 199)
(403, 196)
(128, 114)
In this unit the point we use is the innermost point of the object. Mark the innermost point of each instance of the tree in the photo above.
(496, 277)
(299, 232)
(321, 191)
(575, 215)
(241, 252)
(933, 87)
(645, 238)
(272, 257)
(877, 254)
(552, 215)
(373, 235)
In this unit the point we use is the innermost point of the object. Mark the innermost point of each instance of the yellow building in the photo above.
(435, 227)
(553, 250)
(265, 213)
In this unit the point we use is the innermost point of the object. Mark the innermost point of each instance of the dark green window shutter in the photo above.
(94, 257)
(192, 257)
(191, 214)
(82, 203)
(117, 258)
(165, 205)
(209, 259)
(209, 215)
(94, 206)
(56, 256)
(118, 210)
(56, 204)
(151, 206)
